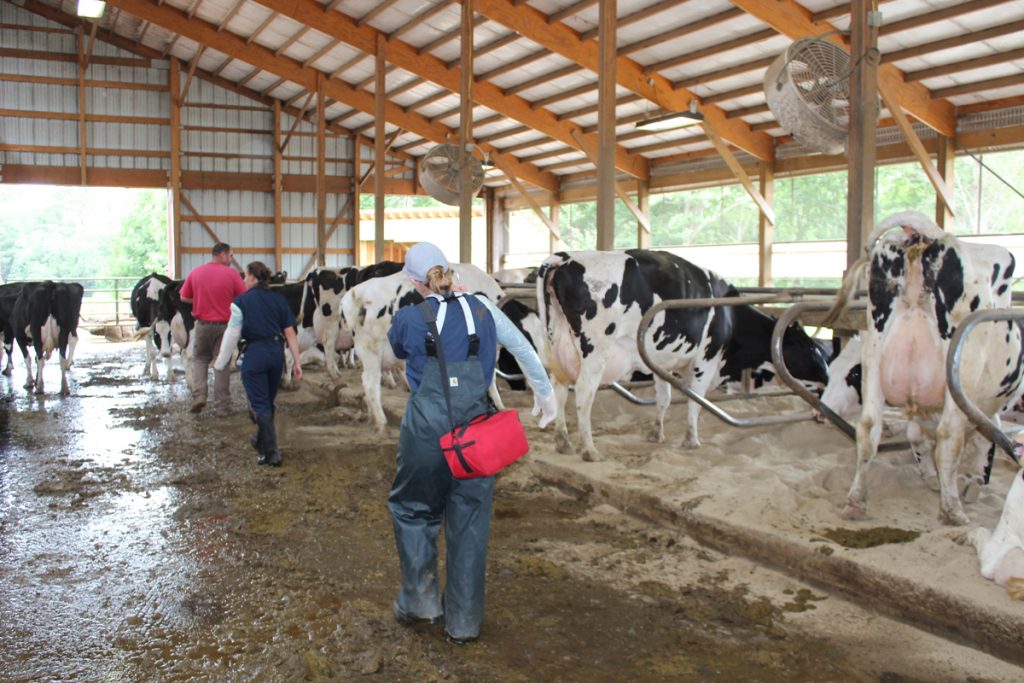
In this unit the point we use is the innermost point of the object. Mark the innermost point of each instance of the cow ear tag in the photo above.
(453, 381)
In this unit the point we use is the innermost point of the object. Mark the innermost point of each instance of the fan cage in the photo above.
(441, 173)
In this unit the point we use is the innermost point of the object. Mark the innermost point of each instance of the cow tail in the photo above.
(547, 299)
(846, 291)
(306, 290)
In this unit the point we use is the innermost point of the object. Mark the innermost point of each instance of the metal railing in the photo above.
(784, 296)
(106, 300)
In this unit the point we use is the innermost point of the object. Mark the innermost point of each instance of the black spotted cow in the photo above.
(46, 316)
(922, 283)
(368, 308)
(528, 322)
(326, 287)
(176, 316)
(591, 303)
(145, 304)
(8, 297)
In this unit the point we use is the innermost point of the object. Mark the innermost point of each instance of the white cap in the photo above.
(420, 258)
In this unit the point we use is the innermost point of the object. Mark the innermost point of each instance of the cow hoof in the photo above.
(691, 444)
(1015, 587)
(957, 518)
(852, 512)
(654, 435)
(563, 445)
(591, 455)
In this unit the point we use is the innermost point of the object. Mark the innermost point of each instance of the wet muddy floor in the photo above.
(139, 542)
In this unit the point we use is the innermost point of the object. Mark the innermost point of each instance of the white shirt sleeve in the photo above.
(229, 341)
(519, 346)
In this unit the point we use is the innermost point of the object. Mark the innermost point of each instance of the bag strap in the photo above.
(427, 311)
(431, 319)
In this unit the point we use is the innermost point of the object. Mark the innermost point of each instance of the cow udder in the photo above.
(912, 367)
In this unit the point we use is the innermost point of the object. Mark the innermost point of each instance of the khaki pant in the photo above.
(205, 348)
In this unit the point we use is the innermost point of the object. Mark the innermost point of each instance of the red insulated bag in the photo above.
(485, 445)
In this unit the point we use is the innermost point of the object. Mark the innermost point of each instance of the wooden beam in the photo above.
(82, 66)
(174, 178)
(321, 175)
(278, 226)
(860, 146)
(937, 181)
(606, 185)
(562, 40)
(532, 203)
(739, 172)
(466, 132)
(192, 72)
(641, 218)
(790, 19)
(357, 157)
(643, 203)
(290, 70)
(380, 99)
(765, 228)
(295, 122)
(945, 158)
(404, 56)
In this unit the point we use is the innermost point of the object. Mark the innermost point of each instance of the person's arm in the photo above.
(293, 346)
(230, 339)
(395, 334)
(519, 346)
(185, 293)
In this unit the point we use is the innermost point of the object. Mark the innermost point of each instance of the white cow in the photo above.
(368, 309)
(923, 283)
(1001, 552)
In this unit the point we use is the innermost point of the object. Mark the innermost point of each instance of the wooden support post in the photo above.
(765, 228)
(466, 132)
(944, 160)
(174, 178)
(554, 212)
(357, 157)
(860, 201)
(607, 11)
(494, 244)
(278, 228)
(82, 66)
(379, 145)
(643, 203)
(321, 173)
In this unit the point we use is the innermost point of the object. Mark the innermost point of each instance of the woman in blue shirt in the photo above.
(424, 491)
(262, 318)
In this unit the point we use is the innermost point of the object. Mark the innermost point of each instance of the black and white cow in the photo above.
(177, 316)
(591, 303)
(368, 308)
(326, 287)
(922, 283)
(145, 303)
(46, 316)
(8, 297)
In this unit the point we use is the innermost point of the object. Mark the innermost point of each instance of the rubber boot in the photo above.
(257, 439)
(271, 456)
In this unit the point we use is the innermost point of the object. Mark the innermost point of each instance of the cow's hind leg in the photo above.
(663, 394)
(869, 429)
(563, 444)
(949, 444)
(586, 390)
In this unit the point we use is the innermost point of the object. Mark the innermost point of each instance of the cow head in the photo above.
(805, 357)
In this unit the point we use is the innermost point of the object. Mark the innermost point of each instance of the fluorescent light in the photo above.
(92, 9)
(671, 121)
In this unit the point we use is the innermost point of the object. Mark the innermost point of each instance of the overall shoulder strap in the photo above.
(427, 311)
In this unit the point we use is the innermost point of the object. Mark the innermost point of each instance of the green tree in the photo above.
(140, 246)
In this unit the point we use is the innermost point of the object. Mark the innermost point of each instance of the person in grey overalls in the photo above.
(263, 318)
(424, 491)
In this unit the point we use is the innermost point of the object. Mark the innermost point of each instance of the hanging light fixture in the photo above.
(92, 9)
(677, 119)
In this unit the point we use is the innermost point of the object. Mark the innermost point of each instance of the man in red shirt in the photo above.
(210, 289)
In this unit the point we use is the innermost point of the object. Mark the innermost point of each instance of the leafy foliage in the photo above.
(140, 246)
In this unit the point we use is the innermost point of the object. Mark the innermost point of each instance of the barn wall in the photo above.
(226, 141)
